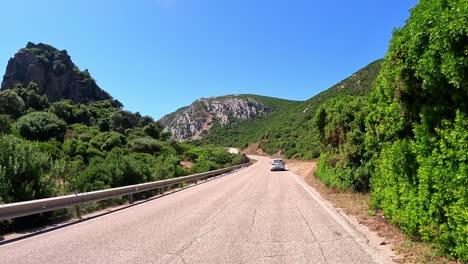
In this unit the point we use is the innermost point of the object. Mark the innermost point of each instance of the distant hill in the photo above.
(196, 121)
(55, 74)
(280, 125)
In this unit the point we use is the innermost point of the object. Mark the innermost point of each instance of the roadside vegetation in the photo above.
(407, 141)
(57, 148)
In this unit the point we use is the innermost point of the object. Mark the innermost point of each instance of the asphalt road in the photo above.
(251, 216)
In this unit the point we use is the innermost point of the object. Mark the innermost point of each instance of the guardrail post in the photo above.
(130, 199)
(78, 211)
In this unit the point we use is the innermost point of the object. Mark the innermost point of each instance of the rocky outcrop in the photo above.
(190, 122)
(54, 73)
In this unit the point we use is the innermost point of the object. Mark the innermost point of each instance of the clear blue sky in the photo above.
(158, 55)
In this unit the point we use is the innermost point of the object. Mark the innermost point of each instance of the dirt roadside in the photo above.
(356, 205)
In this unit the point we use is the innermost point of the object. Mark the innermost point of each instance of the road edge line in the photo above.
(343, 220)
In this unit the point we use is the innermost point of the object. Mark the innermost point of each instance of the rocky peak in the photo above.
(54, 73)
(189, 122)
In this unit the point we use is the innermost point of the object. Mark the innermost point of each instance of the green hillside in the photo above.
(239, 133)
(288, 126)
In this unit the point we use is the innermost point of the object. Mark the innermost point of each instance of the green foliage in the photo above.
(106, 141)
(11, 104)
(154, 130)
(5, 124)
(52, 147)
(240, 159)
(121, 120)
(120, 168)
(23, 171)
(145, 145)
(416, 131)
(30, 96)
(167, 166)
(208, 158)
(41, 126)
(70, 112)
(204, 165)
(443, 184)
(340, 127)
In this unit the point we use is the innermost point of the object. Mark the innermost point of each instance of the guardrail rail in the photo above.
(14, 210)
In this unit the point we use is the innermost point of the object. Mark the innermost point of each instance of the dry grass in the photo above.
(357, 205)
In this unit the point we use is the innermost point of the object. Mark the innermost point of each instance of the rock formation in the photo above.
(189, 122)
(54, 73)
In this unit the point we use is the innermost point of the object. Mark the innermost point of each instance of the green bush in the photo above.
(167, 166)
(145, 145)
(154, 130)
(41, 126)
(23, 170)
(203, 166)
(239, 159)
(52, 147)
(108, 140)
(119, 168)
(416, 132)
(5, 124)
(11, 104)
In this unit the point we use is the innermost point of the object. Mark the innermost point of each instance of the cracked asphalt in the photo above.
(250, 216)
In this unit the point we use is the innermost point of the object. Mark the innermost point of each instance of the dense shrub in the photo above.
(339, 125)
(108, 140)
(23, 171)
(167, 166)
(239, 159)
(119, 168)
(154, 130)
(145, 145)
(5, 124)
(41, 126)
(417, 129)
(204, 165)
(121, 120)
(11, 104)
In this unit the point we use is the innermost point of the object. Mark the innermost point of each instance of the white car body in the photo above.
(277, 164)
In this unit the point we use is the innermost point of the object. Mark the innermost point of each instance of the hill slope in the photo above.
(205, 115)
(55, 74)
(280, 124)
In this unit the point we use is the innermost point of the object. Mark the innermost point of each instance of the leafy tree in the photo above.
(121, 120)
(154, 130)
(146, 145)
(11, 104)
(41, 126)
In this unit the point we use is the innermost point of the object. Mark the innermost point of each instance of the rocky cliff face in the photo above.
(189, 122)
(55, 74)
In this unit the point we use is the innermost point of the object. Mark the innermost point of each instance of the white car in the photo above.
(278, 164)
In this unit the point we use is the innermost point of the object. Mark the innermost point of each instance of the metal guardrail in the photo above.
(13, 210)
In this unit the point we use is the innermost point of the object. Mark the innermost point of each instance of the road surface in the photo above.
(250, 216)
